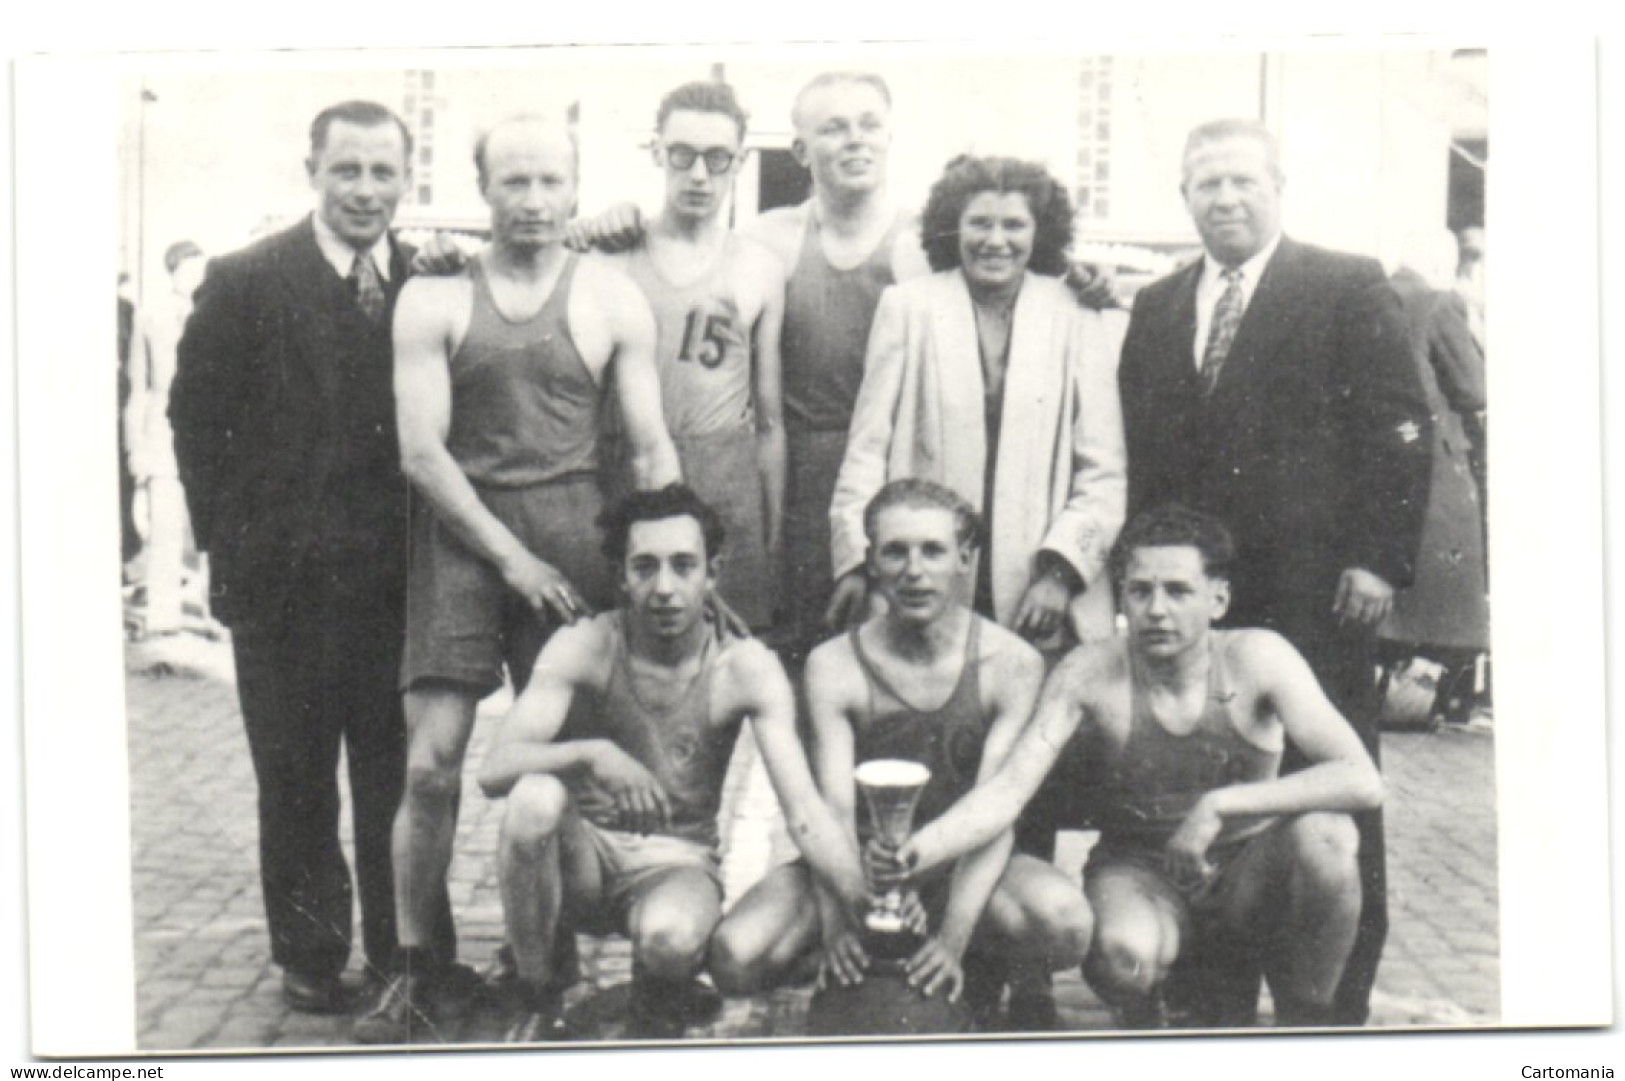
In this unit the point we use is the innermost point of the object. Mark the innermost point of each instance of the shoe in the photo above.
(455, 992)
(503, 970)
(1148, 1015)
(372, 987)
(401, 1014)
(1032, 1011)
(541, 1021)
(309, 993)
(664, 1011)
(701, 1003)
(646, 1022)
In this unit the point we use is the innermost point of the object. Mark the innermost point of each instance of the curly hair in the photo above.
(966, 177)
(1174, 526)
(673, 501)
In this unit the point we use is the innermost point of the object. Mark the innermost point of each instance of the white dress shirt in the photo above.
(341, 256)
(1211, 286)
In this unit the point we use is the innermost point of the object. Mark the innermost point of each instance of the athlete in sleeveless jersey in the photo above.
(946, 739)
(926, 679)
(841, 247)
(498, 374)
(612, 762)
(524, 406)
(708, 380)
(718, 301)
(1201, 838)
(827, 314)
(675, 740)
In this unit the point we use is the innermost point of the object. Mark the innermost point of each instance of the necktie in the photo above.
(1222, 334)
(369, 291)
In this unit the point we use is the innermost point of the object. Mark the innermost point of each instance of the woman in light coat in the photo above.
(988, 377)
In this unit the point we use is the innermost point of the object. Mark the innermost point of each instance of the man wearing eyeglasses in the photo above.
(718, 300)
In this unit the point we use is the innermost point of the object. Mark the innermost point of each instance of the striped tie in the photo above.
(1222, 335)
(369, 291)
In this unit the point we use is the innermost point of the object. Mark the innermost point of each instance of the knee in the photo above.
(1325, 847)
(736, 965)
(433, 781)
(671, 944)
(1059, 927)
(535, 811)
(1124, 962)
(1070, 927)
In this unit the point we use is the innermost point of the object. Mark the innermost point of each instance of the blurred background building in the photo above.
(1376, 144)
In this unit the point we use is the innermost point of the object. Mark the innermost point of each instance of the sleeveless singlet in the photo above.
(686, 753)
(524, 407)
(1159, 776)
(947, 740)
(827, 316)
(703, 353)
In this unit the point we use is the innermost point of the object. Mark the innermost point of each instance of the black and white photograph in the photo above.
(709, 545)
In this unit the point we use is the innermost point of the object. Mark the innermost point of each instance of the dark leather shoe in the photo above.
(401, 1014)
(455, 992)
(663, 1011)
(1032, 1011)
(502, 973)
(313, 994)
(541, 1021)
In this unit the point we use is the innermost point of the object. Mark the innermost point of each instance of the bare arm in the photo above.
(637, 383)
(770, 448)
(908, 252)
(423, 347)
(1341, 776)
(827, 681)
(765, 695)
(828, 678)
(524, 743)
(1018, 675)
(993, 805)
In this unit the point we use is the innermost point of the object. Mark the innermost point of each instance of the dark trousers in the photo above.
(318, 676)
(1344, 660)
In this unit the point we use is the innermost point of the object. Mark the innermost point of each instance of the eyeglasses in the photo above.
(718, 160)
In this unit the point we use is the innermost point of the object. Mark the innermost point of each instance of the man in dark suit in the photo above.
(285, 436)
(1270, 384)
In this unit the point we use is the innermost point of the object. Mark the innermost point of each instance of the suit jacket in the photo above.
(284, 418)
(1059, 484)
(1313, 446)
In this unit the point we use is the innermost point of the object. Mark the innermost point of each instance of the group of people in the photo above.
(902, 446)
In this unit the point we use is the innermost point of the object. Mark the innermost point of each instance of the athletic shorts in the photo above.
(629, 862)
(1227, 859)
(463, 622)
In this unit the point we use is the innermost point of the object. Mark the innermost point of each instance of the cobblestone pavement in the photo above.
(204, 980)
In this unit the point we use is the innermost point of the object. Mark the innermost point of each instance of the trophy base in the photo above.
(887, 945)
(884, 1005)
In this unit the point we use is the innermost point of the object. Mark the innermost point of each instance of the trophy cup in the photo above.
(891, 789)
(883, 1003)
